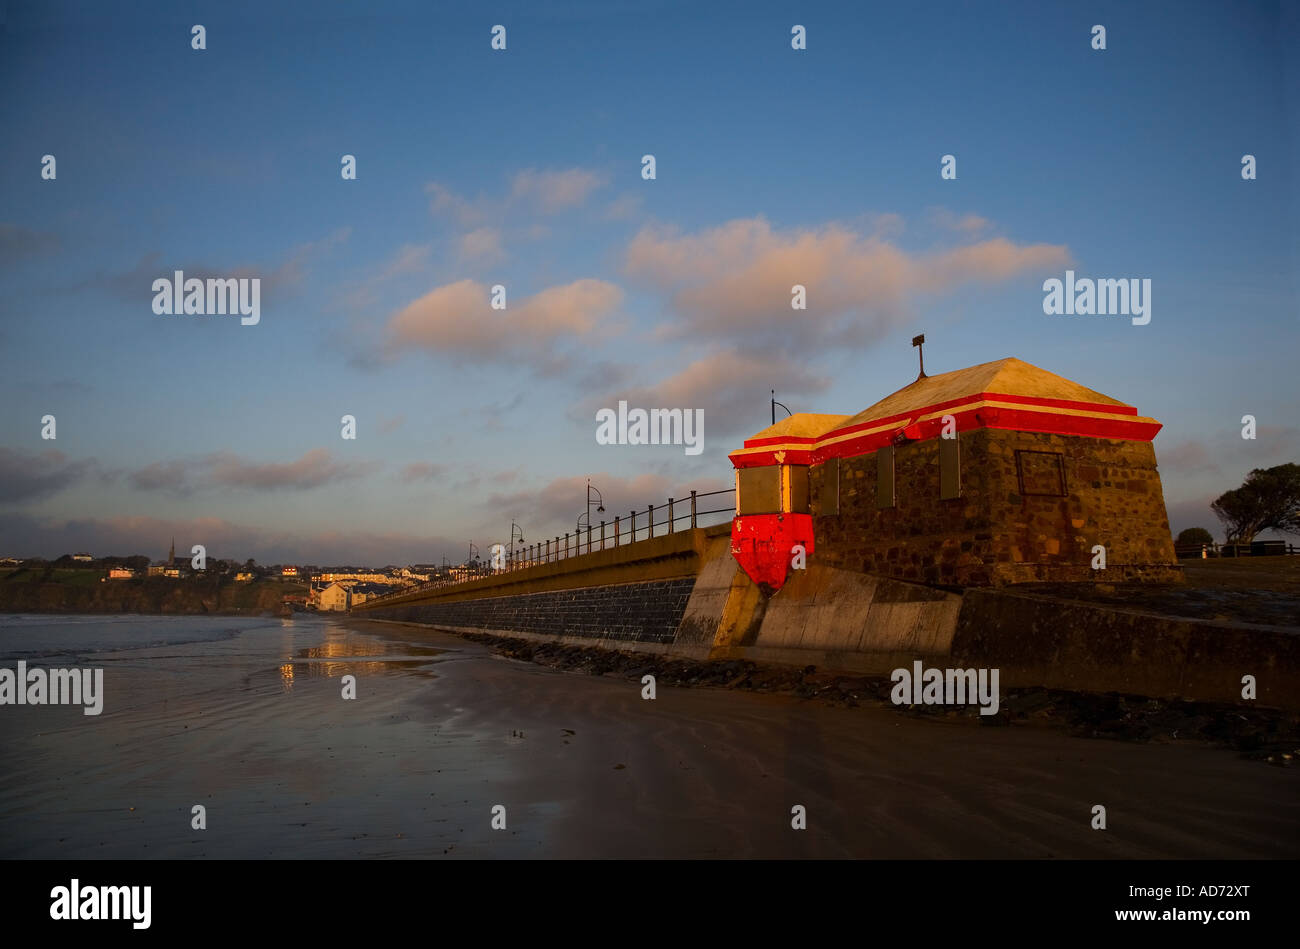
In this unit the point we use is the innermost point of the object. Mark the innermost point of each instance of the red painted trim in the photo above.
(782, 440)
(1021, 420)
(1062, 403)
(764, 458)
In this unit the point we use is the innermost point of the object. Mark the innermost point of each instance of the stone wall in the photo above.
(630, 612)
(846, 620)
(999, 530)
(1087, 647)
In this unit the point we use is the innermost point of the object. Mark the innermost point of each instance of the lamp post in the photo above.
(600, 507)
(515, 528)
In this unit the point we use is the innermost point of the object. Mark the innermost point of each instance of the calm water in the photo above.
(244, 714)
(59, 638)
(191, 656)
(263, 649)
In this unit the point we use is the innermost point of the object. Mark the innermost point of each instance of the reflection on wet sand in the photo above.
(348, 653)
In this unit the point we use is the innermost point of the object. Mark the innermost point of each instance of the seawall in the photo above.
(683, 594)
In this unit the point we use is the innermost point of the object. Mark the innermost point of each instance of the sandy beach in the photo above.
(247, 719)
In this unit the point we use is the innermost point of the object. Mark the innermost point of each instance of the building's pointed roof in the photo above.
(1008, 376)
(802, 425)
(1005, 394)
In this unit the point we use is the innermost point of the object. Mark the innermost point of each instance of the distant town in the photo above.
(330, 589)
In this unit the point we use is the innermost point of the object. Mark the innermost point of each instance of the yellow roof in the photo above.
(803, 425)
(1009, 376)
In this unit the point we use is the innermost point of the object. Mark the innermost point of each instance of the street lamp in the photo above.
(600, 507)
(513, 529)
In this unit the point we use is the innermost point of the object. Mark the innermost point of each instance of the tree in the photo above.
(1269, 499)
(1195, 535)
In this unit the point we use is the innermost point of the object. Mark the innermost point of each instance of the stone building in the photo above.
(1035, 474)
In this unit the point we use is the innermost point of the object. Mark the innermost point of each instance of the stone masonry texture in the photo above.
(630, 612)
(995, 533)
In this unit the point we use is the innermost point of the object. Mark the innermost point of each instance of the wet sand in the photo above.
(254, 728)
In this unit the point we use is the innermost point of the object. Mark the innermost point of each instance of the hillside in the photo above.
(26, 590)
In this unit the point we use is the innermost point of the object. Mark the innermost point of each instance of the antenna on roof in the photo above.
(919, 343)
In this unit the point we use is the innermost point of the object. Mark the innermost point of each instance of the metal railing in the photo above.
(640, 525)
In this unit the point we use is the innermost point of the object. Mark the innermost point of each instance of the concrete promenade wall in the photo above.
(631, 597)
(683, 594)
(625, 613)
(1035, 640)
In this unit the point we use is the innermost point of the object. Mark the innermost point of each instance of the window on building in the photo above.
(758, 490)
(828, 500)
(773, 489)
(798, 483)
(885, 477)
(1042, 473)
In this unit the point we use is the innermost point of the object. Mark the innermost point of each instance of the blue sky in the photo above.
(522, 167)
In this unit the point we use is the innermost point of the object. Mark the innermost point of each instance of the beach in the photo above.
(246, 717)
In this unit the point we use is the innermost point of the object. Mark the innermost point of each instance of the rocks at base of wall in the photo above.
(1256, 733)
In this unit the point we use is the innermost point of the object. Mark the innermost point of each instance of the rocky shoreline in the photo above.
(1259, 734)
